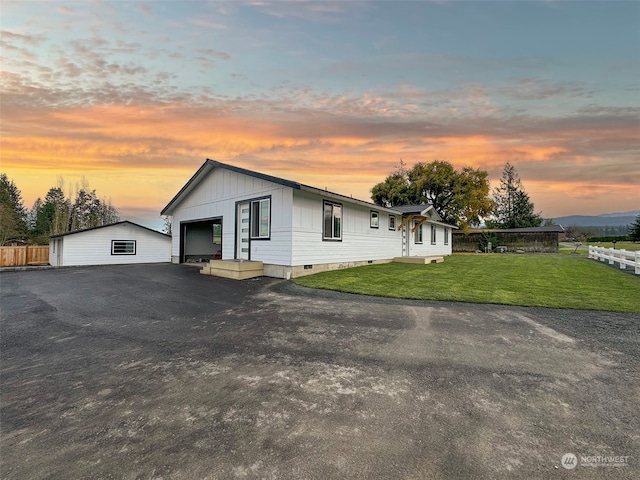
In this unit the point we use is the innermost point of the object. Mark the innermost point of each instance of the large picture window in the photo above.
(123, 247)
(332, 224)
(261, 218)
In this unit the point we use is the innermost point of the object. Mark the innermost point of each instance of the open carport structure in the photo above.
(203, 377)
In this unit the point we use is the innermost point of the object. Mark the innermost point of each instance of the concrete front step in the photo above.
(419, 260)
(236, 269)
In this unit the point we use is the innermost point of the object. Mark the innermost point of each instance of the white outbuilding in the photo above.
(118, 243)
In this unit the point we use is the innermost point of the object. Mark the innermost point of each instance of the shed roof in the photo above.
(110, 225)
(545, 229)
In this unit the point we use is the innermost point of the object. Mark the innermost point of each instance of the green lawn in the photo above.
(558, 281)
(619, 245)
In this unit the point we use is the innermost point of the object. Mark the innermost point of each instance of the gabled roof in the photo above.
(209, 165)
(422, 209)
(110, 225)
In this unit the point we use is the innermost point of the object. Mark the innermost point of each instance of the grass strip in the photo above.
(554, 280)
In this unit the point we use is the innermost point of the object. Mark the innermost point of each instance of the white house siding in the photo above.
(359, 242)
(216, 196)
(427, 249)
(93, 247)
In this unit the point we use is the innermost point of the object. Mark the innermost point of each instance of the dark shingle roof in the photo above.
(110, 225)
(545, 229)
(209, 165)
(411, 208)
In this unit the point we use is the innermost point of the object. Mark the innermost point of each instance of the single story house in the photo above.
(231, 213)
(118, 243)
(530, 239)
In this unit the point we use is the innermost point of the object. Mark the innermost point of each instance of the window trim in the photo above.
(418, 233)
(434, 231)
(392, 222)
(213, 233)
(135, 247)
(373, 214)
(446, 236)
(326, 238)
(259, 201)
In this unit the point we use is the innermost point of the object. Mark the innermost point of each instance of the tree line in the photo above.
(55, 214)
(461, 198)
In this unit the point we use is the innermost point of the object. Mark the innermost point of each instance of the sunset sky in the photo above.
(136, 95)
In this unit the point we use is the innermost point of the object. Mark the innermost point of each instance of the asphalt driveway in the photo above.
(157, 372)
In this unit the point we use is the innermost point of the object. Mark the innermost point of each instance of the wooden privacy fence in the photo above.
(623, 257)
(27, 255)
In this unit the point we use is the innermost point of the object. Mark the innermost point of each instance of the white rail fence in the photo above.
(625, 258)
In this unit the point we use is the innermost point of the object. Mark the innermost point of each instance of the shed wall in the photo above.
(93, 247)
(534, 242)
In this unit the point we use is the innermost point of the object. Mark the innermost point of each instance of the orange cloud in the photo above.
(140, 155)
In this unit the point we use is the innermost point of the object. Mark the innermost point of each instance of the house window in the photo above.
(217, 234)
(446, 236)
(261, 218)
(433, 234)
(332, 224)
(374, 222)
(392, 222)
(123, 247)
(417, 235)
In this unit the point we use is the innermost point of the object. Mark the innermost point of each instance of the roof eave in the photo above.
(209, 165)
(121, 222)
(338, 196)
(193, 181)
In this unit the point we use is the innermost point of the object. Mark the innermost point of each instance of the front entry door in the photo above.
(242, 231)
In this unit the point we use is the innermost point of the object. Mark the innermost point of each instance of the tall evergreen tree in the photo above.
(57, 210)
(88, 211)
(634, 230)
(513, 207)
(13, 215)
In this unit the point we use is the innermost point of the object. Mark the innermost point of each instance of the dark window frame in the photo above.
(133, 242)
(392, 222)
(434, 232)
(446, 236)
(259, 201)
(418, 234)
(332, 237)
(373, 214)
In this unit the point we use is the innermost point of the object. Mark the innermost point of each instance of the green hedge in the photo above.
(609, 238)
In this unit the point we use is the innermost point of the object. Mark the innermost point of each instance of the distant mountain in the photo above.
(606, 220)
(633, 213)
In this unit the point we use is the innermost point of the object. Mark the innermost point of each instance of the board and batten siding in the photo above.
(359, 242)
(217, 195)
(426, 248)
(93, 247)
